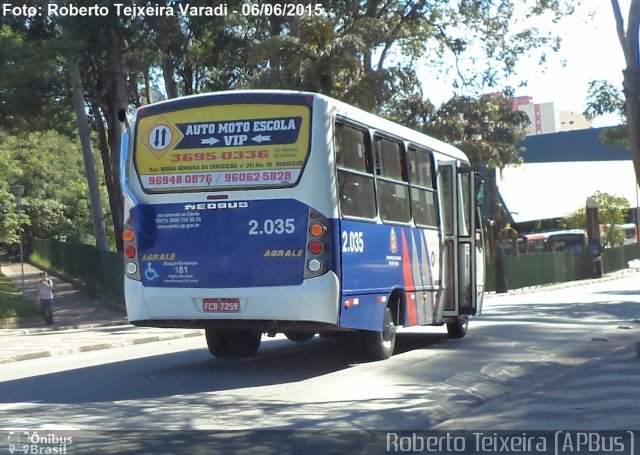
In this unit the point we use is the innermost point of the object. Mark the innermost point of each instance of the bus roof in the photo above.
(339, 107)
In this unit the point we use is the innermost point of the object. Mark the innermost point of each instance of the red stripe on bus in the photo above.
(408, 281)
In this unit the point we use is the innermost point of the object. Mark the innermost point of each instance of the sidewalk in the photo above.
(81, 323)
(601, 393)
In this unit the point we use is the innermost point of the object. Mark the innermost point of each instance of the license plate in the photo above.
(221, 305)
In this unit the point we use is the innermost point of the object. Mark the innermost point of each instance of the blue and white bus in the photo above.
(264, 212)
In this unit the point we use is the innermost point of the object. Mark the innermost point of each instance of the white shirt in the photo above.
(46, 293)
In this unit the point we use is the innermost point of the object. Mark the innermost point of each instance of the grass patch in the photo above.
(11, 302)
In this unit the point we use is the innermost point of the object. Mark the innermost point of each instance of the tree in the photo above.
(631, 74)
(8, 214)
(605, 98)
(366, 52)
(33, 91)
(50, 167)
(99, 230)
(487, 129)
(97, 45)
(612, 210)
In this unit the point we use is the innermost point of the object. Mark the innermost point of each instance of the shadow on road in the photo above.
(196, 371)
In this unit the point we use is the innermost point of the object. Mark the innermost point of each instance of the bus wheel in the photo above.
(299, 337)
(380, 345)
(217, 342)
(233, 343)
(457, 328)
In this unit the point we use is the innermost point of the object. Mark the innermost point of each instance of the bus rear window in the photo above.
(222, 147)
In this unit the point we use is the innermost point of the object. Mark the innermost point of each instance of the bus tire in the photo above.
(299, 337)
(380, 345)
(217, 342)
(233, 343)
(457, 328)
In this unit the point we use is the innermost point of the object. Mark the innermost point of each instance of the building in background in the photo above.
(559, 172)
(570, 121)
(545, 118)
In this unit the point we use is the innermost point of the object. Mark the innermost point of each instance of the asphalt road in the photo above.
(524, 347)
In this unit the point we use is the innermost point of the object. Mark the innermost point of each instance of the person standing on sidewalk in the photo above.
(45, 298)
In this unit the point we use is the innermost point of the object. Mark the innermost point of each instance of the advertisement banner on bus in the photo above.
(245, 145)
(201, 245)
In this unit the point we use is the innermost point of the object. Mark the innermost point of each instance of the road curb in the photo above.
(143, 339)
(38, 328)
(568, 284)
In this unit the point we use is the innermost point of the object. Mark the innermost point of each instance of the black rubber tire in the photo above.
(458, 327)
(217, 342)
(380, 345)
(299, 337)
(233, 343)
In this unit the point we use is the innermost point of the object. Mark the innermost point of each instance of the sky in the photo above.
(590, 50)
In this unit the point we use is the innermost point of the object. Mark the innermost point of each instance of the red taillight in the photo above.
(130, 252)
(315, 247)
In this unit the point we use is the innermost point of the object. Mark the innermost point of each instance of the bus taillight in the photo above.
(131, 265)
(315, 247)
(314, 265)
(317, 230)
(128, 235)
(318, 253)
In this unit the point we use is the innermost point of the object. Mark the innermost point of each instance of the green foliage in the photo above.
(612, 210)
(12, 304)
(486, 128)
(33, 89)
(365, 53)
(604, 98)
(8, 215)
(55, 201)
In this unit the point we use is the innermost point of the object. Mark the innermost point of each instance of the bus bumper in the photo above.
(316, 300)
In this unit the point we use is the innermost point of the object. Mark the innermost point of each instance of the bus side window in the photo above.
(355, 179)
(423, 197)
(392, 182)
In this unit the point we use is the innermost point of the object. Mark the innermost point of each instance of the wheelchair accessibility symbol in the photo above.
(150, 273)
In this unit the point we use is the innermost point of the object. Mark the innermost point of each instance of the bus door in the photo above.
(462, 240)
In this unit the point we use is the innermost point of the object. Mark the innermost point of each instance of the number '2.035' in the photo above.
(272, 226)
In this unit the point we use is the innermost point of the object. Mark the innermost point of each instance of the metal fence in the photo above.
(526, 270)
(617, 258)
(100, 271)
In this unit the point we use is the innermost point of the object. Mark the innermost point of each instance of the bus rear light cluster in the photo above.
(318, 254)
(131, 264)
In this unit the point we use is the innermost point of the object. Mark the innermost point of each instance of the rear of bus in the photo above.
(230, 206)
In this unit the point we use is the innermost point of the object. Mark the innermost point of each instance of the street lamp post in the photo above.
(18, 190)
(593, 234)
